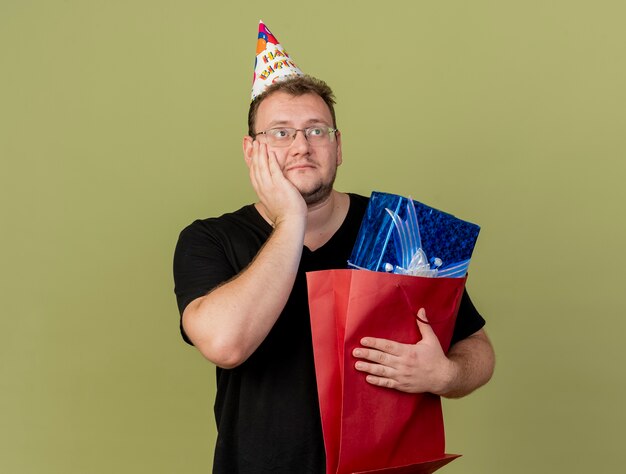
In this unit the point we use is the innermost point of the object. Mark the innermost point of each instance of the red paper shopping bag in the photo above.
(368, 428)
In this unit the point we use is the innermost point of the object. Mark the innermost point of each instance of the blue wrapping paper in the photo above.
(448, 242)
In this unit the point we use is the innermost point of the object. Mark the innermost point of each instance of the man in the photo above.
(241, 289)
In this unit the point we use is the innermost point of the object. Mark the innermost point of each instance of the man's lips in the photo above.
(299, 166)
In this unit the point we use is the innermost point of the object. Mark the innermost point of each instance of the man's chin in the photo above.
(318, 194)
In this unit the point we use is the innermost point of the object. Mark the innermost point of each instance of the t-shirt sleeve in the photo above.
(468, 320)
(200, 264)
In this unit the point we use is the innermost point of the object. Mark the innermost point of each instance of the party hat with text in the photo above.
(272, 62)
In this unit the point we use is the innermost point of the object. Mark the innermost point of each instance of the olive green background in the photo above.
(121, 122)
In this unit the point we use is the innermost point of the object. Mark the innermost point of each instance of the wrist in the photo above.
(449, 378)
(296, 221)
(282, 218)
(291, 228)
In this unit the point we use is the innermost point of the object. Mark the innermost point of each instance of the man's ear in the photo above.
(338, 144)
(247, 149)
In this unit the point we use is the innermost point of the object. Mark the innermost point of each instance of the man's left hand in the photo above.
(423, 367)
(413, 368)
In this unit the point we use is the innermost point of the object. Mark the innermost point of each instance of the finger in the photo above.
(375, 369)
(261, 159)
(273, 166)
(373, 355)
(263, 175)
(425, 329)
(384, 345)
(254, 167)
(421, 316)
(381, 381)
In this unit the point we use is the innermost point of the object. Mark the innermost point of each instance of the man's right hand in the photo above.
(281, 200)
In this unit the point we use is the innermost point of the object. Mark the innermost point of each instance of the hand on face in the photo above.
(414, 368)
(281, 199)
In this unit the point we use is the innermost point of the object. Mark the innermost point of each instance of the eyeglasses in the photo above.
(285, 136)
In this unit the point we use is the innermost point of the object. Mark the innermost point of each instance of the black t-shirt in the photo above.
(266, 409)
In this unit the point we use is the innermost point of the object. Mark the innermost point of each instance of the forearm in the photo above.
(229, 323)
(472, 361)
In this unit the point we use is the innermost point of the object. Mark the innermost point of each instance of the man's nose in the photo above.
(300, 142)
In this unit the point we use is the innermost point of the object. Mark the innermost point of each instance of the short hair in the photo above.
(295, 86)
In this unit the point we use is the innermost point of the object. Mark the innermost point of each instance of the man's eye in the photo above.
(316, 132)
(280, 133)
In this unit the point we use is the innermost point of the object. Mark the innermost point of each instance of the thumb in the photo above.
(423, 325)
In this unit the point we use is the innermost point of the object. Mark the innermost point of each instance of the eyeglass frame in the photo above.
(329, 130)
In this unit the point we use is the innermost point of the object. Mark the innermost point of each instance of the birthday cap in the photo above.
(272, 62)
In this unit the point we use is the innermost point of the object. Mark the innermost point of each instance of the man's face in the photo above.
(311, 169)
